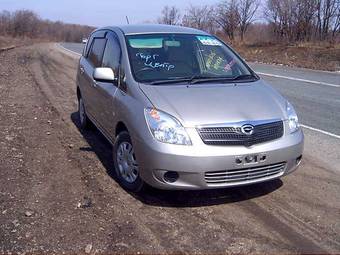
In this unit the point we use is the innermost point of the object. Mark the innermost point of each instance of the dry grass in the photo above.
(6, 41)
(321, 56)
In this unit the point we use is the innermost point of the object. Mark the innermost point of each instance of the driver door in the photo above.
(93, 60)
(106, 91)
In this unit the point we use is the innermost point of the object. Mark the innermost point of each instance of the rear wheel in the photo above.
(83, 119)
(126, 165)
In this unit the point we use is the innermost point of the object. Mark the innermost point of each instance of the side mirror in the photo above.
(104, 74)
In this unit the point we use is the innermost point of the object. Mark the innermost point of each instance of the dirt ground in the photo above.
(58, 193)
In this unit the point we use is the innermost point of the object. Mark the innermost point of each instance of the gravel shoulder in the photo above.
(58, 193)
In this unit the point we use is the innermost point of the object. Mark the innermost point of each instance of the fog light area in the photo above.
(171, 176)
(298, 160)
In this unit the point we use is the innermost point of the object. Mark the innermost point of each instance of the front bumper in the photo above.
(192, 162)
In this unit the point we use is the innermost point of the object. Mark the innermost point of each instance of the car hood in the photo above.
(201, 104)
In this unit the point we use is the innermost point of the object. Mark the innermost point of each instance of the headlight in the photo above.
(166, 128)
(293, 120)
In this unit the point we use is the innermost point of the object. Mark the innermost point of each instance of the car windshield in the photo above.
(170, 57)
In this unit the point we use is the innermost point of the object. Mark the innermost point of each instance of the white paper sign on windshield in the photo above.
(208, 40)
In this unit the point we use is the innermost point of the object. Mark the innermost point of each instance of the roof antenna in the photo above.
(127, 19)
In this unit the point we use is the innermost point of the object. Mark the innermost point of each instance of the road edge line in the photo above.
(321, 131)
(298, 68)
(298, 79)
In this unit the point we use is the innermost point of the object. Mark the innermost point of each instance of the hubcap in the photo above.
(127, 164)
(81, 111)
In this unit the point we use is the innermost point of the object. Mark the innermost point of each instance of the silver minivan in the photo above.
(183, 110)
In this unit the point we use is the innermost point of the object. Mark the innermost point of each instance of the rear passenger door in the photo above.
(92, 60)
(106, 91)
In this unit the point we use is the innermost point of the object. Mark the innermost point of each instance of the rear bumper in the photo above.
(193, 162)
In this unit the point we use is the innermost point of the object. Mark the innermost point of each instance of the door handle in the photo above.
(82, 70)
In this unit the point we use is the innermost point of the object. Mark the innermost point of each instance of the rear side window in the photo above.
(96, 52)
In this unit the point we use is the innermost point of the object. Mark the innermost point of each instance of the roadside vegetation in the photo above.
(24, 27)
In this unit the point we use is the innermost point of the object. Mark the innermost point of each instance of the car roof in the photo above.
(155, 28)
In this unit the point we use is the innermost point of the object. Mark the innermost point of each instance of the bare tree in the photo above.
(170, 16)
(297, 20)
(228, 17)
(336, 25)
(200, 17)
(304, 19)
(247, 11)
(327, 17)
(280, 13)
(25, 23)
(5, 22)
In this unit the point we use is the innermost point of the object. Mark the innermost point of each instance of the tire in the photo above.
(125, 163)
(84, 121)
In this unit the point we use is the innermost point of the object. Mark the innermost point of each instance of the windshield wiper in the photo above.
(168, 81)
(200, 79)
(190, 80)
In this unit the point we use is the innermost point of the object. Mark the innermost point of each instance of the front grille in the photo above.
(244, 174)
(234, 136)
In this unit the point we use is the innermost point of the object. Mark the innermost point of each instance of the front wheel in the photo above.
(125, 162)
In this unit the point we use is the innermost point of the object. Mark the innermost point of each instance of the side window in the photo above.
(112, 54)
(96, 52)
(87, 46)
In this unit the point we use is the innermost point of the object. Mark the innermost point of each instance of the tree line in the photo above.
(286, 20)
(26, 23)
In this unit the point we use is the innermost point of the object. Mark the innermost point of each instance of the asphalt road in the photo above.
(314, 94)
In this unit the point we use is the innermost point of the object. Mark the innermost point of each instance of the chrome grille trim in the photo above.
(244, 174)
(232, 135)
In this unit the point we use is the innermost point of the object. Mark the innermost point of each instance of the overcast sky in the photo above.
(98, 12)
